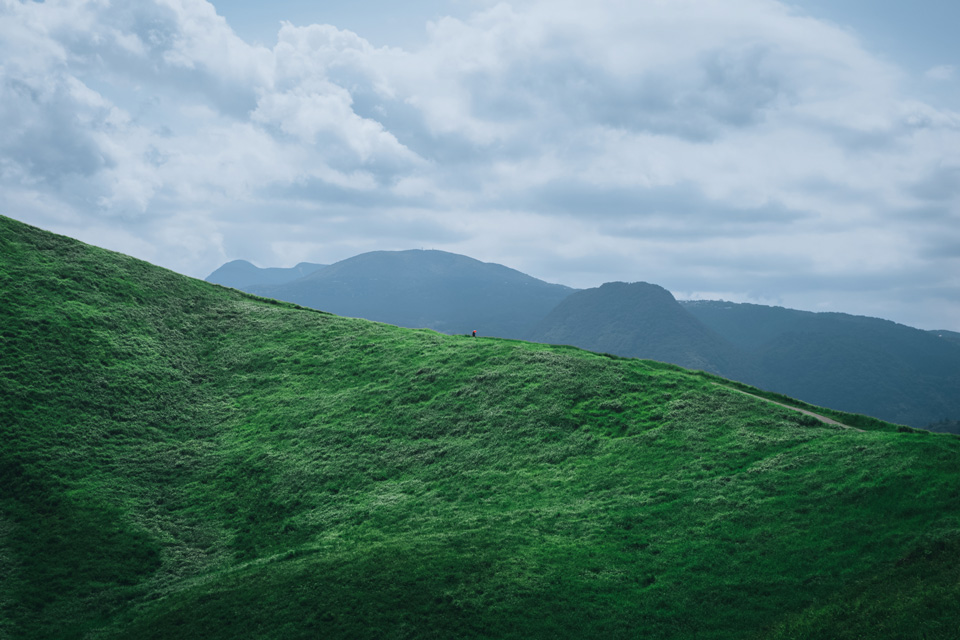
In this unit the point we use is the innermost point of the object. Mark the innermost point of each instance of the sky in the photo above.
(800, 153)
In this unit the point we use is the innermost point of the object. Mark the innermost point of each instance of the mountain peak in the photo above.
(635, 319)
(243, 274)
(433, 289)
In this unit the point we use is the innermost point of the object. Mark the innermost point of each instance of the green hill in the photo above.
(180, 460)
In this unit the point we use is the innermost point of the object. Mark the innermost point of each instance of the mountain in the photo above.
(950, 336)
(857, 364)
(242, 275)
(431, 289)
(637, 320)
(852, 363)
(182, 460)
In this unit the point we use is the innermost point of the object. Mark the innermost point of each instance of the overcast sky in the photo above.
(803, 153)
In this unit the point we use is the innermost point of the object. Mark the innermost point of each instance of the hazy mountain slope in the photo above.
(749, 325)
(181, 460)
(432, 289)
(241, 274)
(637, 320)
(852, 363)
(950, 336)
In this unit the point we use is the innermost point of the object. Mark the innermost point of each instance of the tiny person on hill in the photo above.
(474, 333)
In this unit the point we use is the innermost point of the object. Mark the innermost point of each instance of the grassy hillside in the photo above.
(180, 460)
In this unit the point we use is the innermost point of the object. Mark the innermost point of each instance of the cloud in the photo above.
(941, 73)
(700, 144)
(941, 183)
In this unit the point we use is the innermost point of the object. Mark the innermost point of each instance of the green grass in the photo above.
(183, 460)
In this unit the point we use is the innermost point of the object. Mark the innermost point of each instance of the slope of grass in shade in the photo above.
(181, 460)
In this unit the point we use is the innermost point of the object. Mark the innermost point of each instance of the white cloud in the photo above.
(323, 113)
(943, 73)
(581, 143)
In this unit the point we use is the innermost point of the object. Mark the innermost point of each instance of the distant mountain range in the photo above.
(853, 363)
(637, 320)
(437, 290)
(949, 336)
(240, 274)
(847, 362)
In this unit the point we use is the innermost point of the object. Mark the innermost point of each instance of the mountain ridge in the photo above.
(431, 289)
(242, 274)
(638, 320)
(856, 363)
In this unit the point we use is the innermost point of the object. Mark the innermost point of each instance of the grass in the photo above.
(184, 460)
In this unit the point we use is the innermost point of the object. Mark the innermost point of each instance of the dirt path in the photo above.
(819, 417)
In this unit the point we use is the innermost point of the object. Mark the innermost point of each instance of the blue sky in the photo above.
(802, 153)
(383, 23)
(919, 34)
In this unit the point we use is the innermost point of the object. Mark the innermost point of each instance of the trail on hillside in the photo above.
(819, 417)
